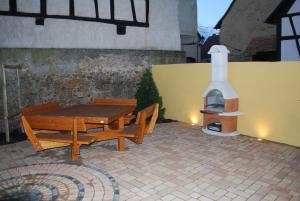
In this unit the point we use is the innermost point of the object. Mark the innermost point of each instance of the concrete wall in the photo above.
(72, 76)
(188, 17)
(163, 33)
(269, 96)
(245, 21)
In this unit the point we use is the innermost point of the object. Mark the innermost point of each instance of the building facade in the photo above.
(73, 50)
(244, 31)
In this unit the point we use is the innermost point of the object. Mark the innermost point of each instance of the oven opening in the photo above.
(215, 101)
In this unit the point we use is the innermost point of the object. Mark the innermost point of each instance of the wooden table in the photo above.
(97, 114)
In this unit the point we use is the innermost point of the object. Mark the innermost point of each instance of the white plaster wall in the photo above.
(286, 27)
(163, 33)
(295, 7)
(289, 50)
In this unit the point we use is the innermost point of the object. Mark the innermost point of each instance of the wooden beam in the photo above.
(133, 10)
(96, 8)
(112, 9)
(72, 8)
(12, 6)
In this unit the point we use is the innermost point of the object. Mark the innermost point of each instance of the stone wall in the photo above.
(72, 76)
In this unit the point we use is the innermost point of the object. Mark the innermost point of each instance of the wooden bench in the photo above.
(136, 132)
(44, 132)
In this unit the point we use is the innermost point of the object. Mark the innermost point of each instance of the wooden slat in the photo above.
(141, 127)
(65, 138)
(54, 123)
(40, 108)
(149, 127)
(52, 144)
(114, 101)
(31, 135)
(105, 135)
(93, 113)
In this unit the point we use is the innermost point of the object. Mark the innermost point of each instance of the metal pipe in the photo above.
(7, 137)
(19, 89)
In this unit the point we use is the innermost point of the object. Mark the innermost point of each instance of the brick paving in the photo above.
(176, 162)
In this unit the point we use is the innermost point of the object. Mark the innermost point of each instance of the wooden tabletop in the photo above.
(93, 113)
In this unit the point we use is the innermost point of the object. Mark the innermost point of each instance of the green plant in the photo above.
(147, 94)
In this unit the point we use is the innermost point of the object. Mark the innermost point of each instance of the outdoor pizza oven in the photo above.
(220, 110)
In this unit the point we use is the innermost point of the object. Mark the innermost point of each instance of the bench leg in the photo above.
(121, 143)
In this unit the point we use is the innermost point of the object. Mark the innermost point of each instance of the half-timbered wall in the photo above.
(290, 33)
(149, 24)
(72, 50)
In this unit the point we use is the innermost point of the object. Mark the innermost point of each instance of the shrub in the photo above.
(147, 94)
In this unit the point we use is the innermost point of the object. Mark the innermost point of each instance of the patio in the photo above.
(176, 162)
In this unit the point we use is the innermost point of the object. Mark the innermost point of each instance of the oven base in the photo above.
(210, 132)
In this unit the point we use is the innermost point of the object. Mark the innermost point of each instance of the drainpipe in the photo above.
(5, 109)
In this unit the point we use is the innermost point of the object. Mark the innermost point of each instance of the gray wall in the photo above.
(98, 63)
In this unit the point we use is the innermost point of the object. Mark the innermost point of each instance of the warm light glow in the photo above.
(194, 119)
(101, 122)
(262, 130)
(259, 139)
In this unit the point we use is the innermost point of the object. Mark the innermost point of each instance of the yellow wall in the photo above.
(269, 96)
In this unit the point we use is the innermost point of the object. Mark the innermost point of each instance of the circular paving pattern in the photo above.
(57, 181)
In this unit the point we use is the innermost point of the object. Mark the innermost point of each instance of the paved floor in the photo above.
(176, 162)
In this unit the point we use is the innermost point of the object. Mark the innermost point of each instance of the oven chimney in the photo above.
(219, 74)
(219, 62)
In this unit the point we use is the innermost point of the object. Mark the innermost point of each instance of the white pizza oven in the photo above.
(220, 99)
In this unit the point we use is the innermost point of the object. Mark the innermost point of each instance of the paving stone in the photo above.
(176, 162)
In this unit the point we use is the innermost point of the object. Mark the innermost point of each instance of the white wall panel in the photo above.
(295, 7)
(104, 8)
(289, 50)
(120, 6)
(54, 9)
(85, 8)
(140, 13)
(296, 20)
(29, 6)
(4, 5)
(286, 28)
